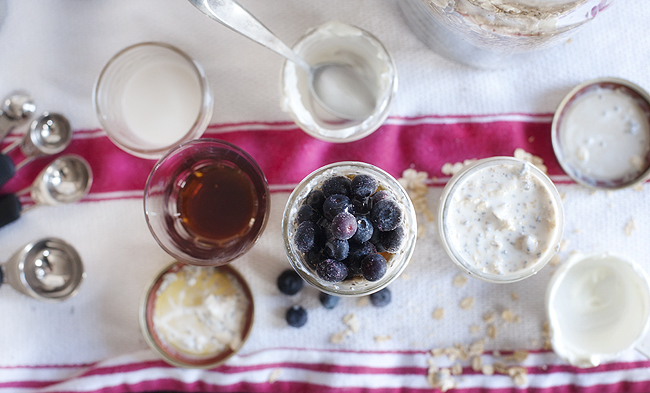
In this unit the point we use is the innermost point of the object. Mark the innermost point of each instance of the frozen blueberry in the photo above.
(381, 298)
(364, 230)
(356, 255)
(335, 204)
(296, 316)
(363, 186)
(307, 213)
(332, 271)
(373, 267)
(336, 185)
(337, 249)
(313, 258)
(376, 240)
(315, 199)
(328, 301)
(305, 236)
(360, 206)
(386, 215)
(392, 240)
(289, 282)
(380, 196)
(344, 226)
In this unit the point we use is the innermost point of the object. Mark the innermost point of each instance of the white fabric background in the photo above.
(56, 49)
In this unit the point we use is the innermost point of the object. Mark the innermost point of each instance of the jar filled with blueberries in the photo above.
(349, 229)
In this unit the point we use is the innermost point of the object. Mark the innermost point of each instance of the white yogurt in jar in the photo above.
(501, 219)
(598, 306)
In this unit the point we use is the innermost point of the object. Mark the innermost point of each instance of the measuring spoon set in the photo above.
(66, 180)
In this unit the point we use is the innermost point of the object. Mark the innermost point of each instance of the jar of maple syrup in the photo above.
(206, 202)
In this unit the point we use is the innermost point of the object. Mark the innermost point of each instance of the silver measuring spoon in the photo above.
(17, 108)
(49, 134)
(48, 269)
(322, 76)
(66, 180)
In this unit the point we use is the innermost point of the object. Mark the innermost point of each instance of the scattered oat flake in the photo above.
(338, 338)
(507, 315)
(477, 348)
(638, 187)
(381, 339)
(352, 322)
(364, 301)
(474, 329)
(441, 379)
(487, 369)
(457, 369)
(564, 244)
(555, 260)
(467, 303)
(405, 276)
(629, 227)
(437, 352)
(535, 160)
(477, 364)
(489, 317)
(518, 375)
(515, 296)
(460, 280)
(438, 313)
(491, 331)
(531, 139)
(275, 374)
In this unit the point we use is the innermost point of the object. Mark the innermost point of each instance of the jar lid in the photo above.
(601, 134)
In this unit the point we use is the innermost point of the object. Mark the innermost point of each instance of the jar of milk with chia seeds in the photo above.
(500, 219)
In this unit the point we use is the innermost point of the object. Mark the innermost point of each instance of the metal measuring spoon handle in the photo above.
(17, 108)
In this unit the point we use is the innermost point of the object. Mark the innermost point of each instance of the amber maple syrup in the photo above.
(217, 203)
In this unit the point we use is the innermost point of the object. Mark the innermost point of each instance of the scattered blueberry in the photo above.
(336, 185)
(337, 249)
(386, 215)
(373, 267)
(332, 271)
(289, 282)
(296, 316)
(344, 226)
(392, 240)
(363, 186)
(381, 298)
(335, 204)
(305, 236)
(315, 199)
(364, 230)
(328, 301)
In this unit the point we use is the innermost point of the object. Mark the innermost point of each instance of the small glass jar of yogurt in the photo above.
(500, 219)
(339, 43)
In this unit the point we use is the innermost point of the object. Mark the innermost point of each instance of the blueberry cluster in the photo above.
(348, 227)
(290, 283)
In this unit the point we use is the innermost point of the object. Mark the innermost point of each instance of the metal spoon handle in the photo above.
(231, 14)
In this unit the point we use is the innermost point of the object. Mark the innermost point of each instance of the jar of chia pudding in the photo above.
(500, 219)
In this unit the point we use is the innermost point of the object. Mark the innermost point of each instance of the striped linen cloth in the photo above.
(444, 113)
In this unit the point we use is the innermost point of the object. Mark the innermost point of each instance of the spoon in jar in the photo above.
(328, 81)
(66, 180)
(49, 134)
(48, 269)
(16, 109)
